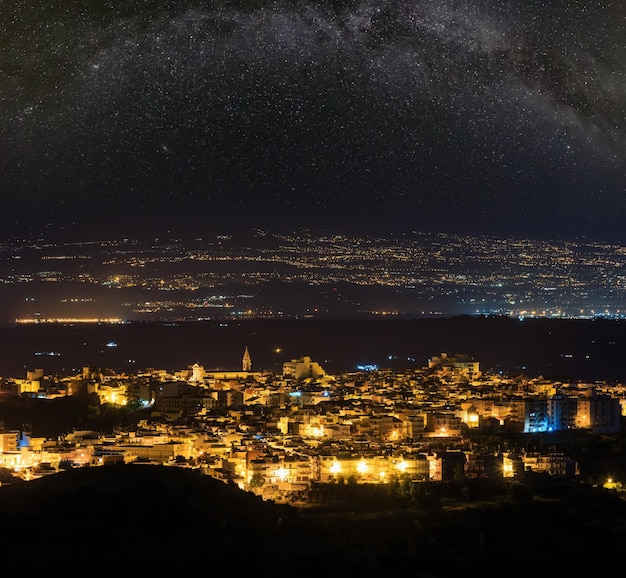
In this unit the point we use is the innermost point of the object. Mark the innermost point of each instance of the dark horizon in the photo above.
(576, 350)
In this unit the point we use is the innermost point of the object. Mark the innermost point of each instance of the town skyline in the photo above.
(422, 413)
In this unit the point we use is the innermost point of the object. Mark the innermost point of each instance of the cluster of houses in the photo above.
(277, 434)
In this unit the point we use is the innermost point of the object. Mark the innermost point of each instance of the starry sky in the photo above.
(412, 113)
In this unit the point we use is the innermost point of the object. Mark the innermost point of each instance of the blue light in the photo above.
(367, 367)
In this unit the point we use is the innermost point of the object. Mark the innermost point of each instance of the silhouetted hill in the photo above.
(137, 519)
(142, 519)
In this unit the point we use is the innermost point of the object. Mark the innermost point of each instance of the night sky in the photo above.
(495, 112)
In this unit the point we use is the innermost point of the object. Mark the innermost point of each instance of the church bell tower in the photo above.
(247, 361)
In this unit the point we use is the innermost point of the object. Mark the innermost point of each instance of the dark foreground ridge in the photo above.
(139, 519)
(143, 518)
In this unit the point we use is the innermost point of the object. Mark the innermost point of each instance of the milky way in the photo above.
(490, 108)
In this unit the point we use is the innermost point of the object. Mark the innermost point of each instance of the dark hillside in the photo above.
(140, 519)
(143, 519)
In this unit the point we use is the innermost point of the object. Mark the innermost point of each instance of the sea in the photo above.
(581, 350)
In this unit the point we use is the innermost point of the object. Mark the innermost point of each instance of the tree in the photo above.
(256, 481)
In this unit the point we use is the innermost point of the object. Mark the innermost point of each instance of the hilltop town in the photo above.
(281, 434)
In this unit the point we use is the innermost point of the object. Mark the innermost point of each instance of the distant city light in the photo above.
(557, 280)
(69, 320)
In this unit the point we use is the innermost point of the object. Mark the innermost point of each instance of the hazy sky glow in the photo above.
(492, 109)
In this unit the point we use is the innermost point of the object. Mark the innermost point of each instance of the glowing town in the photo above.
(278, 434)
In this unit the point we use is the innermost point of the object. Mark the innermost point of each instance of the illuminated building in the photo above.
(281, 473)
(189, 403)
(414, 465)
(303, 368)
(351, 466)
(601, 413)
(412, 423)
(160, 453)
(197, 372)
(512, 465)
(35, 374)
(470, 415)
(228, 398)
(535, 415)
(442, 424)
(458, 366)
(553, 463)
(29, 386)
(113, 393)
(9, 440)
(562, 412)
(381, 427)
